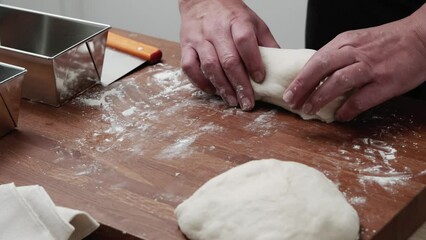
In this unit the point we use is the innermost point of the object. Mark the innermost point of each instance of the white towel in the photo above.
(28, 213)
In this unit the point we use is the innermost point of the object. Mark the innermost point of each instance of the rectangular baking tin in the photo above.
(63, 56)
(11, 78)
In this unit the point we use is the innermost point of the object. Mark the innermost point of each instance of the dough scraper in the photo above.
(122, 55)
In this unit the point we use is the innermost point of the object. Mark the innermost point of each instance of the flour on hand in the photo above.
(268, 199)
(282, 66)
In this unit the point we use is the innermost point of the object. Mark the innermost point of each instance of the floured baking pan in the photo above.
(63, 56)
(11, 78)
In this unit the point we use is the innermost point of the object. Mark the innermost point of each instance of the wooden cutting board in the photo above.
(131, 152)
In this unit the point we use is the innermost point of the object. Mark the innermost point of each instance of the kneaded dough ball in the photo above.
(268, 199)
(282, 66)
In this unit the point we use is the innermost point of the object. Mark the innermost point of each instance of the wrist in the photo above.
(419, 27)
(418, 19)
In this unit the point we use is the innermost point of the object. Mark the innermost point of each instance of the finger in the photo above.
(235, 72)
(191, 66)
(246, 43)
(338, 84)
(321, 65)
(362, 100)
(212, 70)
(265, 37)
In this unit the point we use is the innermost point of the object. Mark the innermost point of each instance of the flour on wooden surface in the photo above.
(129, 111)
(377, 161)
(179, 149)
(87, 169)
(357, 200)
(124, 121)
(385, 181)
(263, 124)
(167, 85)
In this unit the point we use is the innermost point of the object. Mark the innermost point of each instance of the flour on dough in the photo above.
(282, 66)
(268, 199)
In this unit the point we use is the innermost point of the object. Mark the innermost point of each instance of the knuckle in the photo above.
(187, 67)
(351, 38)
(242, 36)
(188, 64)
(230, 62)
(343, 81)
(209, 65)
(347, 35)
(322, 59)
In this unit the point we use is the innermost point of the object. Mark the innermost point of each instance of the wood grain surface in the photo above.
(129, 153)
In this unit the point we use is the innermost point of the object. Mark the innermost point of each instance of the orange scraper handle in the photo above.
(133, 47)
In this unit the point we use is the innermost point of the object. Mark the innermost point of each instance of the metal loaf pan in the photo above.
(63, 56)
(11, 78)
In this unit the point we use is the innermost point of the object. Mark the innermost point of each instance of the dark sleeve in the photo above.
(327, 18)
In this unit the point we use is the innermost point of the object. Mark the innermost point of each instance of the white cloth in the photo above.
(28, 213)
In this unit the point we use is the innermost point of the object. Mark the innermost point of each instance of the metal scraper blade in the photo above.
(117, 64)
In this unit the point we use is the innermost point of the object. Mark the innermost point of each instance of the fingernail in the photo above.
(288, 96)
(246, 104)
(258, 76)
(307, 108)
(232, 101)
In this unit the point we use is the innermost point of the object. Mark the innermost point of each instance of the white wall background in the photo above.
(160, 18)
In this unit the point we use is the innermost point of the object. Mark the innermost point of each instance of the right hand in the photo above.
(372, 64)
(219, 41)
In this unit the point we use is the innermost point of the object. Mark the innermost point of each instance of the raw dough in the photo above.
(268, 199)
(282, 66)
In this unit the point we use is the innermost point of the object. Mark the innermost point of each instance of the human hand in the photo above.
(219, 41)
(373, 64)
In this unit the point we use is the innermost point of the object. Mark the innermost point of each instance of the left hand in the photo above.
(376, 64)
(219, 41)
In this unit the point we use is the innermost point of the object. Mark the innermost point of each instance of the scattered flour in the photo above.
(179, 149)
(357, 200)
(211, 127)
(263, 124)
(169, 197)
(376, 160)
(170, 94)
(87, 169)
(385, 181)
(171, 82)
(129, 111)
(101, 99)
(377, 149)
(378, 168)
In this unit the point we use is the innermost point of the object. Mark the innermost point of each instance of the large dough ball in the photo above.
(268, 199)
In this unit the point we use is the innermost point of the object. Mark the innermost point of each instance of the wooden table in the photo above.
(131, 152)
